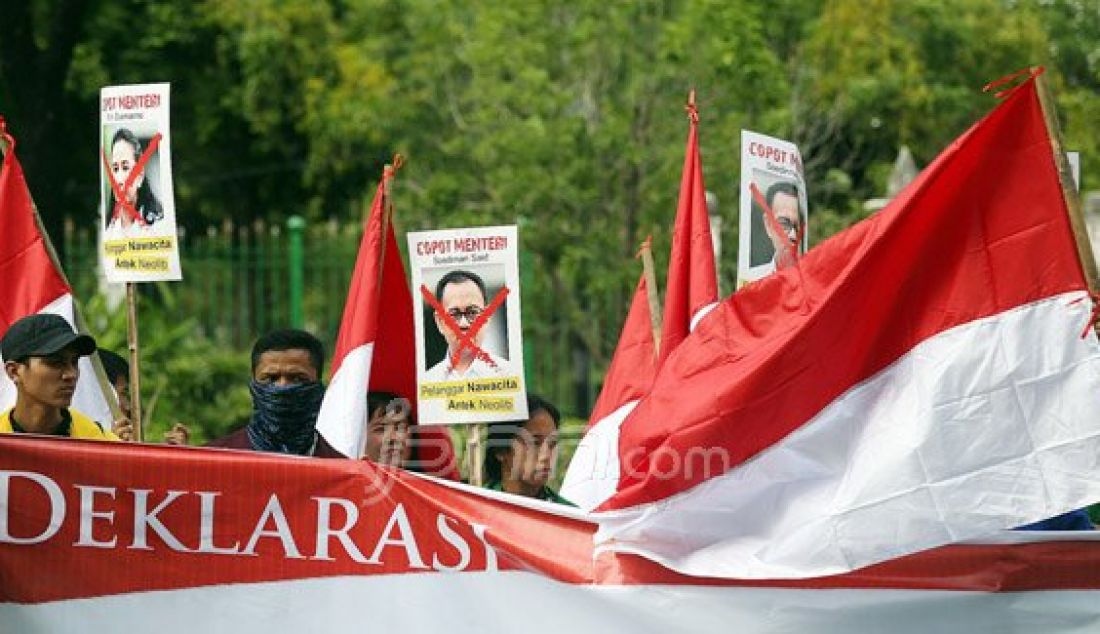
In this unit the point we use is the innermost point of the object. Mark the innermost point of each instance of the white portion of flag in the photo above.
(699, 314)
(343, 417)
(593, 473)
(502, 601)
(983, 427)
(88, 398)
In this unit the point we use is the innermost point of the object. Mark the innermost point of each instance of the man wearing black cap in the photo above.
(40, 357)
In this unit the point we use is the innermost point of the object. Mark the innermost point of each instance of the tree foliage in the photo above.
(568, 116)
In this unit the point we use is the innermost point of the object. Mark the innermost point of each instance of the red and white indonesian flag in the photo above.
(375, 348)
(29, 282)
(113, 537)
(919, 379)
(587, 480)
(691, 292)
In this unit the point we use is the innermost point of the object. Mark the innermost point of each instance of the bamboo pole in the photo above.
(135, 370)
(78, 316)
(475, 455)
(655, 314)
(1065, 178)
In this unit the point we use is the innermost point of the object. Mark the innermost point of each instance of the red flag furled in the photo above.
(634, 363)
(916, 380)
(376, 348)
(30, 283)
(590, 477)
(692, 286)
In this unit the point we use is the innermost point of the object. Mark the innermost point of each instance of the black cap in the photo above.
(42, 335)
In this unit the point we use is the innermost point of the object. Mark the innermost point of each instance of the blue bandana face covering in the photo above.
(284, 417)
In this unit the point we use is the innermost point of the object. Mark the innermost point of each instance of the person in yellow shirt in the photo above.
(40, 355)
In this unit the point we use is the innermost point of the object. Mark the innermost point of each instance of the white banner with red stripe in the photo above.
(98, 537)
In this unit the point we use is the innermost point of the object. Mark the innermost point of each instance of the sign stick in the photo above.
(135, 371)
(655, 313)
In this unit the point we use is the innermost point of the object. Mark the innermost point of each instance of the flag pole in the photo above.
(78, 316)
(1065, 177)
(135, 370)
(655, 312)
(474, 455)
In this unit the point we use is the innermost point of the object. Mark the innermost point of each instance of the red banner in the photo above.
(251, 542)
(127, 518)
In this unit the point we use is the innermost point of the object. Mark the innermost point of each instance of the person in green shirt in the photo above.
(520, 456)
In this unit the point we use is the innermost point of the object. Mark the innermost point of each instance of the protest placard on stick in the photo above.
(773, 207)
(139, 240)
(468, 333)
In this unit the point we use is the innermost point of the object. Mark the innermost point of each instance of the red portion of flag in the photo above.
(692, 282)
(983, 230)
(1011, 567)
(29, 280)
(634, 363)
(359, 325)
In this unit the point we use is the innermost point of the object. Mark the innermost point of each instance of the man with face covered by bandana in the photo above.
(286, 397)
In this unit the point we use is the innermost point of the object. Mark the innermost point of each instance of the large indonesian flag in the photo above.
(691, 292)
(375, 347)
(112, 537)
(29, 282)
(919, 379)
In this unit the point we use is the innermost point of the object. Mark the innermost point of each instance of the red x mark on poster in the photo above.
(466, 340)
(773, 223)
(121, 202)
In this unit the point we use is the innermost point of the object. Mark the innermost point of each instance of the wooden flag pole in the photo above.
(474, 454)
(1065, 177)
(655, 314)
(78, 316)
(1069, 189)
(387, 213)
(135, 370)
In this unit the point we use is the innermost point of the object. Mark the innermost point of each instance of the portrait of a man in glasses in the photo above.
(464, 297)
(774, 242)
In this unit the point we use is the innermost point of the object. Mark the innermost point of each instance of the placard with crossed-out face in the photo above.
(469, 350)
(137, 206)
(773, 206)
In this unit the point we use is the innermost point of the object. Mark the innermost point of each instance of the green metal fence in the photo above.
(242, 280)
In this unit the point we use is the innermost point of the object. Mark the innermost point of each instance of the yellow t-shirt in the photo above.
(80, 426)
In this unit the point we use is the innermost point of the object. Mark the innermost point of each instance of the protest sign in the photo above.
(137, 208)
(469, 351)
(773, 206)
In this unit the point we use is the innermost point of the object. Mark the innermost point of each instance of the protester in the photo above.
(41, 353)
(389, 430)
(118, 375)
(463, 296)
(286, 397)
(520, 456)
(393, 438)
(125, 154)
